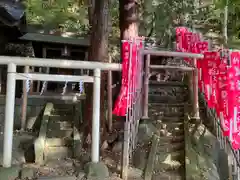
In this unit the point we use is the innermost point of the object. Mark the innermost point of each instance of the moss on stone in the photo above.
(200, 162)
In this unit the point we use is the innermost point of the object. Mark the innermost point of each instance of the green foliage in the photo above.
(158, 18)
(71, 15)
(214, 16)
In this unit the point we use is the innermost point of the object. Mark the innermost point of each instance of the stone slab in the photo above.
(51, 153)
(11, 173)
(58, 142)
(58, 178)
(27, 173)
(96, 171)
(39, 144)
(17, 151)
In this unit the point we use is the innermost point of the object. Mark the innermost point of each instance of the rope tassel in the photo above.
(43, 87)
(28, 85)
(81, 87)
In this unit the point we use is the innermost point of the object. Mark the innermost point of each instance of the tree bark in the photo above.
(91, 7)
(128, 20)
(128, 24)
(98, 51)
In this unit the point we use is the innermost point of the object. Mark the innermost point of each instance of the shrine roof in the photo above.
(58, 39)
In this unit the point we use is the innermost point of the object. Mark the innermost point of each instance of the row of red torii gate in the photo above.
(216, 77)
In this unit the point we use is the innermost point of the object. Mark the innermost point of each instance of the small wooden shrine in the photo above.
(56, 47)
(17, 38)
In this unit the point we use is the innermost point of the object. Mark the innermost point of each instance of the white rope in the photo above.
(43, 87)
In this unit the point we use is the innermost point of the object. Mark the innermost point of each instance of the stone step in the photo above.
(63, 107)
(57, 178)
(174, 114)
(166, 107)
(177, 172)
(166, 112)
(161, 115)
(61, 118)
(166, 83)
(175, 155)
(53, 153)
(180, 104)
(172, 119)
(171, 125)
(60, 125)
(58, 142)
(165, 99)
(167, 94)
(155, 86)
(178, 132)
(168, 161)
(62, 113)
(168, 119)
(161, 93)
(171, 147)
(169, 175)
(57, 133)
(171, 139)
(166, 90)
(61, 110)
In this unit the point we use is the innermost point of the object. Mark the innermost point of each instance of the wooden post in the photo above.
(190, 86)
(86, 59)
(110, 97)
(24, 102)
(195, 91)
(44, 54)
(31, 70)
(39, 83)
(125, 155)
(230, 162)
(1, 80)
(151, 158)
(146, 87)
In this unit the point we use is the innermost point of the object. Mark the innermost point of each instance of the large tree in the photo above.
(128, 24)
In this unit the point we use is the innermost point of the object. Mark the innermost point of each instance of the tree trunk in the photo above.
(225, 24)
(128, 24)
(98, 51)
(128, 21)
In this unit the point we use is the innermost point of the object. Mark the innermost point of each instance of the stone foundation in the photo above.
(204, 158)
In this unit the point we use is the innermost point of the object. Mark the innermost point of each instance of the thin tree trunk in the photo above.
(98, 51)
(225, 24)
(128, 24)
(91, 6)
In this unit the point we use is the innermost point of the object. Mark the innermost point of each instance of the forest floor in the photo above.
(70, 168)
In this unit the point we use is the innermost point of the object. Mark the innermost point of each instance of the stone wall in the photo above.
(204, 158)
